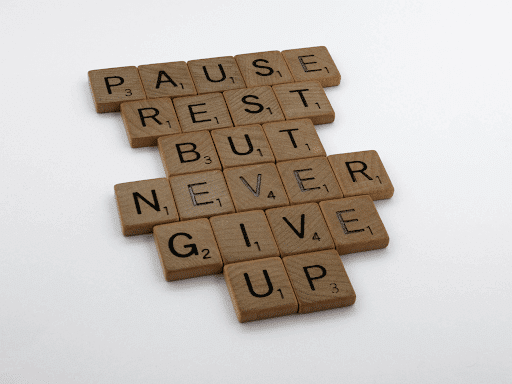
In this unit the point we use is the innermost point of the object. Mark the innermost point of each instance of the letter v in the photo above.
(256, 192)
(301, 233)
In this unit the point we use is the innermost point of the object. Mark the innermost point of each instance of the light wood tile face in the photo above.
(355, 224)
(306, 100)
(253, 105)
(362, 173)
(146, 120)
(309, 180)
(201, 194)
(319, 281)
(293, 139)
(144, 204)
(299, 229)
(187, 249)
(242, 146)
(167, 80)
(260, 289)
(244, 236)
(202, 112)
(188, 153)
(313, 63)
(113, 86)
(255, 187)
(264, 68)
(216, 74)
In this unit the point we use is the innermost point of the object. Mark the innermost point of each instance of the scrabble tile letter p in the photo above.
(113, 86)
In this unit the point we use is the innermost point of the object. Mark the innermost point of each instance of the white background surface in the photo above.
(426, 85)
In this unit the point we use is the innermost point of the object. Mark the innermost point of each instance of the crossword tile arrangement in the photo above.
(249, 190)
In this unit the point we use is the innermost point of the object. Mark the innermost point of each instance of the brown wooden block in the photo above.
(167, 80)
(187, 249)
(306, 100)
(188, 153)
(362, 173)
(264, 68)
(202, 112)
(293, 139)
(260, 289)
(244, 236)
(144, 204)
(216, 74)
(113, 86)
(146, 120)
(201, 194)
(299, 229)
(242, 146)
(313, 63)
(255, 187)
(253, 105)
(355, 224)
(319, 281)
(309, 180)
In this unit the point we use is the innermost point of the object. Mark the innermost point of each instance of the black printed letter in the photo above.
(143, 118)
(251, 290)
(310, 279)
(109, 86)
(193, 247)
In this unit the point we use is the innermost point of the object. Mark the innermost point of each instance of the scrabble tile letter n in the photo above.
(144, 204)
(113, 86)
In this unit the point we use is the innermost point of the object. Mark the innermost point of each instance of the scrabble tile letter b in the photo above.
(144, 204)
(113, 86)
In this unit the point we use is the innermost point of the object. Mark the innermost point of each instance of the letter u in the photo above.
(249, 144)
(267, 279)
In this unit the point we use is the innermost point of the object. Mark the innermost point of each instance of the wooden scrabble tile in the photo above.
(306, 100)
(242, 146)
(188, 153)
(244, 236)
(293, 139)
(202, 194)
(146, 120)
(355, 224)
(260, 289)
(264, 68)
(313, 63)
(187, 249)
(299, 229)
(253, 106)
(167, 80)
(319, 281)
(255, 187)
(309, 180)
(144, 204)
(216, 74)
(202, 112)
(362, 173)
(113, 86)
